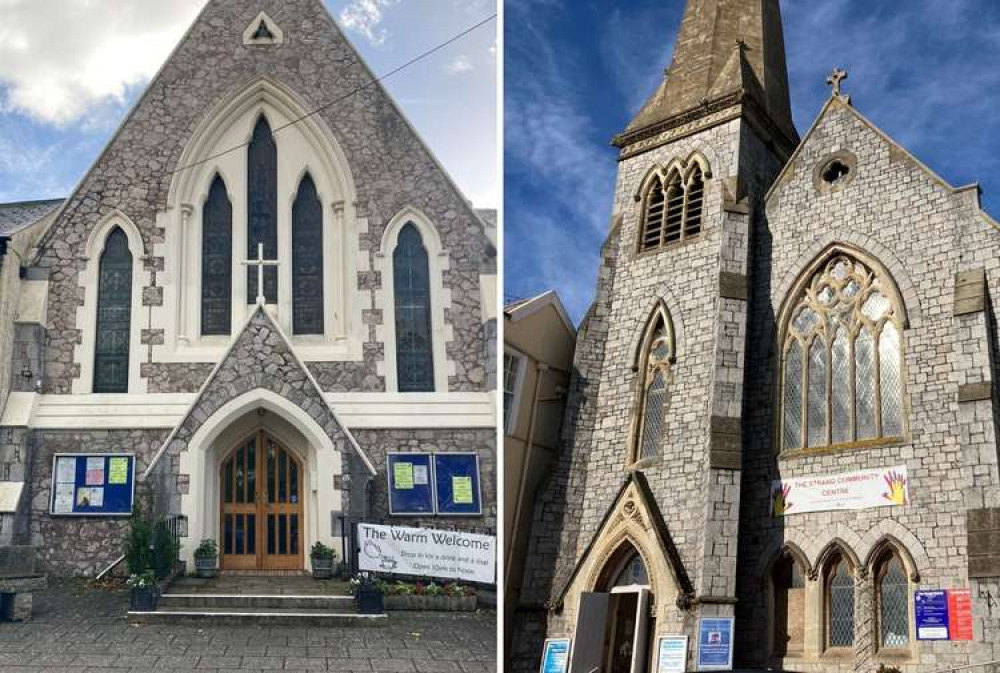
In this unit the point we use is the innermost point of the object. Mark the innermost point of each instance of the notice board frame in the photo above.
(92, 515)
(389, 456)
(477, 493)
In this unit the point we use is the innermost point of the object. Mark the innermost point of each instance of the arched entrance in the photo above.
(260, 489)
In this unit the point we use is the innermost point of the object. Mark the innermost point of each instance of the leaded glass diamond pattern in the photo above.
(893, 594)
(652, 427)
(841, 607)
(655, 397)
(853, 387)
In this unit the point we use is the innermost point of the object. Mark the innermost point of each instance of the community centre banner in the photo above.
(866, 489)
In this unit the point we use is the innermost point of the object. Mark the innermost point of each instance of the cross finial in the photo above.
(260, 263)
(835, 81)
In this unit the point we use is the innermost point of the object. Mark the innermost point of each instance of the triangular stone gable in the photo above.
(392, 168)
(633, 515)
(259, 358)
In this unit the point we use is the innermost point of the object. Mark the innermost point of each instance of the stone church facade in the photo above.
(772, 309)
(133, 323)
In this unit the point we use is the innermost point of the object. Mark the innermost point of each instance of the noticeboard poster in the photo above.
(92, 484)
(715, 644)
(411, 489)
(671, 654)
(931, 612)
(555, 656)
(457, 484)
(960, 614)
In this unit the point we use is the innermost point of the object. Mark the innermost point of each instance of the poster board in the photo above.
(671, 654)
(411, 484)
(457, 484)
(715, 644)
(92, 484)
(555, 655)
(931, 612)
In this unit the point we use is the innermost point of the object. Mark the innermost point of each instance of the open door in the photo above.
(640, 645)
(588, 641)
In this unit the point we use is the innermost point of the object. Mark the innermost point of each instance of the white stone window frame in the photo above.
(640, 362)
(520, 361)
(86, 315)
(308, 146)
(438, 262)
(248, 34)
(662, 174)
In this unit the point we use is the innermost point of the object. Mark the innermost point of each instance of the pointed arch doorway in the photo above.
(260, 489)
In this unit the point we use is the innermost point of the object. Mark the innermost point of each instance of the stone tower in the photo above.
(648, 471)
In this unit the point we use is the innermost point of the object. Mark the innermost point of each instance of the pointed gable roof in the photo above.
(726, 50)
(261, 356)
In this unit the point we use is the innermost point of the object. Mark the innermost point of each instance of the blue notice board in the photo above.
(93, 484)
(555, 658)
(715, 644)
(411, 485)
(456, 477)
(931, 608)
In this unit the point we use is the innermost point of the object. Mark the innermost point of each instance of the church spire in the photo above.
(727, 51)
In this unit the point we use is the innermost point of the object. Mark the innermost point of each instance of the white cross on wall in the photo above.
(260, 263)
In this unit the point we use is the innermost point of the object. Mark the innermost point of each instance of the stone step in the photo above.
(196, 601)
(264, 617)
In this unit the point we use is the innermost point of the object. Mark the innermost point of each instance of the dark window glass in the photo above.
(411, 286)
(251, 533)
(840, 616)
(307, 260)
(114, 315)
(262, 209)
(217, 261)
(270, 534)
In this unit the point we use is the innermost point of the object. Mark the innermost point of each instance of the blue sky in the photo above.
(65, 86)
(576, 71)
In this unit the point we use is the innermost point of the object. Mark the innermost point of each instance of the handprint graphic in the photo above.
(897, 488)
(780, 502)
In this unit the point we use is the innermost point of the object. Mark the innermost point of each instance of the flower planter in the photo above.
(432, 603)
(369, 601)
(204, 566)
(322, 567)
(144, 600)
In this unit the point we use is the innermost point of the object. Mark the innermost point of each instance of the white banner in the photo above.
(852, 490)
(426, 552)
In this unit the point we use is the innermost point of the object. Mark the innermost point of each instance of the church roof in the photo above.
(15, 217)
(727, 50)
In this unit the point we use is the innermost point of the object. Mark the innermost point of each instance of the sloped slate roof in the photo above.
(15, 217)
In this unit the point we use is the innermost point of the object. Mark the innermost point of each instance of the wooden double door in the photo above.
(260, 486)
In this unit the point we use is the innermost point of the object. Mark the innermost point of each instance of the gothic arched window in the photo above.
(892, 597)
(674, 208)
(654, 396)
(789, 587)
(839, 604)
(217, 261)
(114, 315)
(412, 298)
(842, 359)
(307, 260)
(262, 208)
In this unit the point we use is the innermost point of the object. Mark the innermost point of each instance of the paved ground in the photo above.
(78, 629)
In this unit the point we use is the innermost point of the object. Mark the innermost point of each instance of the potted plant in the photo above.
(145, 594)
(367, 595)
(205, 557)
(322, 561)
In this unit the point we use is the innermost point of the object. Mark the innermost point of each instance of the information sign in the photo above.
(715, 644)
(457, 484)
(410, 491)
(931, 614)
(672, 654)
(427, 552)
(92, 484)
(960, 614)
(555, 657)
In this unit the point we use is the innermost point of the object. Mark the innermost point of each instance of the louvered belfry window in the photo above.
(307, 260)
(114, 315)
(217, 261)
(842, 359)
(674, 208)
(655, 391)
(412, 296)
(262, 208)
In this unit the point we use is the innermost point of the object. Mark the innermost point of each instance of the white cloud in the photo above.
(459, 65)
(60, 58)
(365, 18)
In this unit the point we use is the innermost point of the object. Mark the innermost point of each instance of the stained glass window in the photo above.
(114, 315)
(840, 605)
(674, 208)
(412, 293)
(655, 395)
(893, 602)
(262, 208)
(217, 261)
(633, 573)
(307, 260)
(843, 359)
